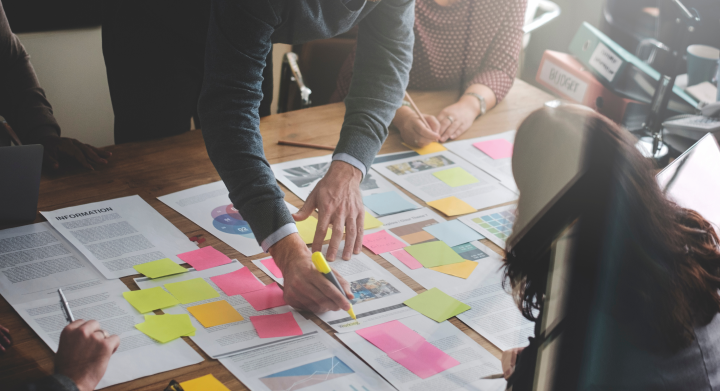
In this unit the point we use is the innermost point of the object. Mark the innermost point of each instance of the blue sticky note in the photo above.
(453, 233)
(387, 203)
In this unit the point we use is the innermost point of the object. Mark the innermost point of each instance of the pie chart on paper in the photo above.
(228, 220)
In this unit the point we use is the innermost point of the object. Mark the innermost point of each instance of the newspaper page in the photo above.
(312, 361)
(116, 235)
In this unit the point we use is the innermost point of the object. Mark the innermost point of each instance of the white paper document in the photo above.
(209, 206)
(226, 339)
(116, 235)
(379, 295)
(475, 361)
(499, 168)
(301, 176)
(421, 175)
(137, 356)
(312, 361)
(35, 260)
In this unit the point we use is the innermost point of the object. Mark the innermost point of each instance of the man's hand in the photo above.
(304, 286)
(509, 358)
(5, 339)
(339, 203)
(413, 131)
(84, 353)
(57, 147)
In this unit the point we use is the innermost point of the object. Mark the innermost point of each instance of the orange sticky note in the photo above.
(452, 206)
(204, 383)
(215, 313)
(462, 269)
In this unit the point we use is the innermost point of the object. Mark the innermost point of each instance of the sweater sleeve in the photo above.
(501, 60)
(49, 383)
(22, 101)
(380, 77)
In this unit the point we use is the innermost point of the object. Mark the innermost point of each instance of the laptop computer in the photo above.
(20, 169)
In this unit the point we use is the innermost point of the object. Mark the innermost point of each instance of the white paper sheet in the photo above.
(117, 234)
(313, 361)
(209, 206)
(501, 169)
(301, 176)
(475, 361)
(225, 339)
(379, 295)
(35, 260)
(415, 174)
(138, 355)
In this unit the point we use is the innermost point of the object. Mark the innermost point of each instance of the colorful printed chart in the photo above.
(307, 375)
(227, 219)
(495, 224)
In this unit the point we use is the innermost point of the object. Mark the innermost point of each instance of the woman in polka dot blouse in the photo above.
(470, 45)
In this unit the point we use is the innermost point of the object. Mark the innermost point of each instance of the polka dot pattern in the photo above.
(467, 42)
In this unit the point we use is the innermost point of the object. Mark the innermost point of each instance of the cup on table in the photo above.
(702, 62)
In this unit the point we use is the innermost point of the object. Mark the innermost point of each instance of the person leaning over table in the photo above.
(81, 359)
(240, 35)
(668, 320)
(469, 45)
(24, 106)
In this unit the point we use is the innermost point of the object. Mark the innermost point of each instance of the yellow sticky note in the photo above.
(147, 300)
(205, 383)
(215, 313)
(160, 268)
(307, 227)
(455, 177)
(452, 206)
(428, 149)
(191, 291)
(462, 269)
(371, 222)
(165, 328)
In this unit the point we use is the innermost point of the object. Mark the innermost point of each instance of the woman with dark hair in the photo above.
(471, 46)
(666, 302)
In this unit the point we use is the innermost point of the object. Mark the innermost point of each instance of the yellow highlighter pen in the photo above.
(321, 264)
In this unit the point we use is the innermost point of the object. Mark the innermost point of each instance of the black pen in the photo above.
(66, 307)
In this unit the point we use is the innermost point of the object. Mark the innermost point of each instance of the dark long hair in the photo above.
(671, 272)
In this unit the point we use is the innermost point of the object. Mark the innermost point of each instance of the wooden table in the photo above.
(155, 168)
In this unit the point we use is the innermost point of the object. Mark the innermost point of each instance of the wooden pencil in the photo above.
(417, 111)
(305, 145)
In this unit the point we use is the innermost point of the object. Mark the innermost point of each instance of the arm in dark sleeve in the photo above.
(501, 60)
(380, 76)
(22, 101)
(50, 383)
(239, 39)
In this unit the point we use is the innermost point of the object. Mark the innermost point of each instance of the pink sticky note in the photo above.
(271, 326)
(270, 296)
(424, 359)
(270, 265)
(496, 149)
(382, 242)
(391, 336)
(204, 258)
(237, 282)
(404, 257)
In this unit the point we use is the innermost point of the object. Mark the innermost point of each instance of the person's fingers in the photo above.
(350, 237)
(447, 128)
(74, 325)
(90, 153)
(305, 210)
(112, 342)
(49, 161)
(513, 357)
(346, 285)
(321, 231)
(73, 149)
(90, 327)
(444, 125)
(434, 124)
(360, 223)
(451, 130)
(319, 296)
(333, 299)
(423, 131)
(335, 240)
(6, 332)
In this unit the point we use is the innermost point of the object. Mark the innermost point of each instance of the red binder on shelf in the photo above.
(566, 77)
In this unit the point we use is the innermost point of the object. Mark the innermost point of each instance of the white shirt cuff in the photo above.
(285, 230)
(351, 160)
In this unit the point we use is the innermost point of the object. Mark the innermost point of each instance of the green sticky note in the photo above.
(455, 177)
(147, 300)
(191, 291)
(160, 268)
(433, 254)
(436, 305)
(165, 328)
